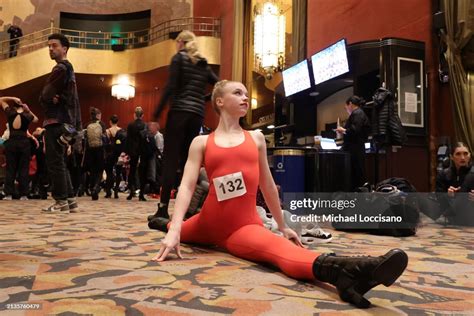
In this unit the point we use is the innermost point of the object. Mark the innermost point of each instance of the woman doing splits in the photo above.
(236, 163)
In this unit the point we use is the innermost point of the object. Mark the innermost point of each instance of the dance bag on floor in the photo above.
(388, 200)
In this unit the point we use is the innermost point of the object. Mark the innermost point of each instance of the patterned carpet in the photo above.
(98, 262)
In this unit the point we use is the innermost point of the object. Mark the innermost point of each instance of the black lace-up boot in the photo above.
(355, 276)
(159, 223)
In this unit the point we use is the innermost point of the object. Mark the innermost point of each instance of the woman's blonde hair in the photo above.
(218, 92)
(190, 45)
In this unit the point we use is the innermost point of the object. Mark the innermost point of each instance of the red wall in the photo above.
(208, 8)
(124, 109)
(224, 10)
(361, 20)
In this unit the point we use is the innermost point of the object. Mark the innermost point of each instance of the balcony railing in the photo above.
(201, 26)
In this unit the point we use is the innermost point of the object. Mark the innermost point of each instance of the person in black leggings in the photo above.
(18, 146)
(189, 76)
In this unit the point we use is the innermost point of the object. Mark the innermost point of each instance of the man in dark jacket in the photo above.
(356, 131)
(134, 149)
(189, 76)
(60, 103)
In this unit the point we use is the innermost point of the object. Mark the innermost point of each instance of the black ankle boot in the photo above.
(141, 197)
(162, 212)
(159, 223)
(115, 194)
(355, 276)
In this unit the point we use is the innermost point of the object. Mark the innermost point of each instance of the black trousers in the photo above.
(18, 154)
(56, 164)
(14, 47)
(358, 176)
(138, 163)
(95, 164)
(181, 128)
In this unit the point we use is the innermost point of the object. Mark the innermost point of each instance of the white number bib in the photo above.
(229, 186)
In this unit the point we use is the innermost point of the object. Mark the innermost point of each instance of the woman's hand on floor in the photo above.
(170, 242)
(290, 234)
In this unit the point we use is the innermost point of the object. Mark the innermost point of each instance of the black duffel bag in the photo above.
(391, 198)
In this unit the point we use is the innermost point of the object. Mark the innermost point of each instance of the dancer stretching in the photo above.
(236, 163)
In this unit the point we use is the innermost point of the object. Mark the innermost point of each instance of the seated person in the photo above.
(451, 179)
(236, 164)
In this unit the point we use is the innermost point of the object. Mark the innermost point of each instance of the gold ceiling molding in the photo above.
(102, 62)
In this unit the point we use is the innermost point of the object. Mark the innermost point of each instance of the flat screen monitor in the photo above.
(296, 78)
(330, 62)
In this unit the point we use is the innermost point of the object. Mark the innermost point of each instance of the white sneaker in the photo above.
(24, 198)
(315, 235)
(58, 206)
(7, 198)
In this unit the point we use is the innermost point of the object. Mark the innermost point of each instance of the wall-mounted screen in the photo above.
(330, 62)
(296, 78)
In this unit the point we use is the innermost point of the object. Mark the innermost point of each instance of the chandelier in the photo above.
(269, 38)
(123, 90)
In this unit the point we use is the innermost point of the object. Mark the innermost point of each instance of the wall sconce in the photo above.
(123, 90)
(269, 38)
(254, 104)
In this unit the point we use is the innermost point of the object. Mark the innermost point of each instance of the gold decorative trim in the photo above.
(288, 152)
(103, 62)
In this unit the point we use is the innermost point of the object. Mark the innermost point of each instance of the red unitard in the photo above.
(234, 224)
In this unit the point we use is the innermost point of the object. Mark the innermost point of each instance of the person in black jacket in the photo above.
(15, 34)
(62, 114)
(356, 131)
(451, 179)
(135, 151)
(189, 75)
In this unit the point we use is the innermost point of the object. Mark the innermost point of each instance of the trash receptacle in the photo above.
(288, 170)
